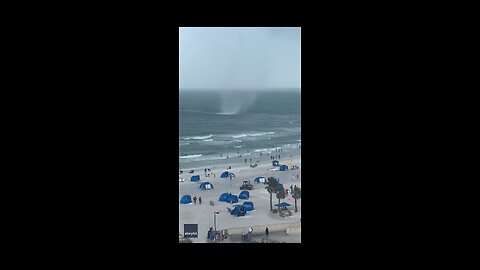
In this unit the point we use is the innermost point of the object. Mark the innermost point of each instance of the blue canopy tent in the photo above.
(232, 199)
(275, 163)
(244, 195)
(239, 210)
(206, 186)
(248, 206)
(223, 197)
(282, 205)
(195, 178)
(186, 199)
(260, 179)
(283, 168)
(227, 175)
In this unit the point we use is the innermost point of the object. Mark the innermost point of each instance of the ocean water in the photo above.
(214, 124)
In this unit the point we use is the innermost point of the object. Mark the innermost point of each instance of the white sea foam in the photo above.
(252, 134)
(265, 150)
(261, 134)
(190, 156)
(208, 140)
(198, 138)
(238, 146)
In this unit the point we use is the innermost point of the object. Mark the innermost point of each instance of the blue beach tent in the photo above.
(248, 206)
(206, 186)
(244, 195)
(223, 197)
(232, 199)
(239, 210)
(195, 178)
(186, 199)
(226, 175)
(260, 179)
(283, 168)
(283, 204)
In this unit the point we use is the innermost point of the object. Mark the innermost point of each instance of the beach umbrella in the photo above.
(225, 174)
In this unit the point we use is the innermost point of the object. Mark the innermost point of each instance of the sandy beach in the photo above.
(203, 214)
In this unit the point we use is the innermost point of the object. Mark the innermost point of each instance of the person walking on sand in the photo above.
(199, 200)
(195, 200)
(266, 231)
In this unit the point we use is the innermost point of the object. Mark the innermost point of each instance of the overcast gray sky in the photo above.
(239, 57)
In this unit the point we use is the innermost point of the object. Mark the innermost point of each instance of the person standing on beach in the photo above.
(266, 231)
(195, 200)
(199, 200)
(245, 161)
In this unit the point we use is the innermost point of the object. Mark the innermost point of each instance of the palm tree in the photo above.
(272, 186)
(297, 194)
(280, 194)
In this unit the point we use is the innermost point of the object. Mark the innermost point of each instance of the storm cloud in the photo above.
(232, 58)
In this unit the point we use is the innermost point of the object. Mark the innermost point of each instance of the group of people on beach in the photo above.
(199, 200)
(209, 173)
(275, 157)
